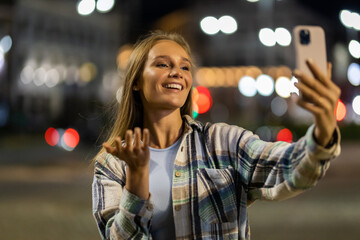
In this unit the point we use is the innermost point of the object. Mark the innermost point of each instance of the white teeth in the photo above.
(174, 86)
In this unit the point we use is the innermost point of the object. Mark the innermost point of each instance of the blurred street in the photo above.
(49, 198)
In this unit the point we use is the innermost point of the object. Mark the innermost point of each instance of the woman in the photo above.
(180, 179)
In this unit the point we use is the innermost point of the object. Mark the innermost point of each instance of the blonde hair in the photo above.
(129, 113)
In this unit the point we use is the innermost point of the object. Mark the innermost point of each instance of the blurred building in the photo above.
(63, 67)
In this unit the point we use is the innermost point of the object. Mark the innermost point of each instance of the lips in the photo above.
(173, 86)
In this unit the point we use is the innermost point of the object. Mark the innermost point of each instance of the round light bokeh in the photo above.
(353, 74)
(265, 85)
(283, 87)
(267, 37)
(356, 105)
(279, 106)
(210, 25)
(247, 86)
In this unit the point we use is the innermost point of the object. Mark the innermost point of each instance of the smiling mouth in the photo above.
(173, 86)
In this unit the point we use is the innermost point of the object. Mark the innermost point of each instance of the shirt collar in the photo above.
(191, 124)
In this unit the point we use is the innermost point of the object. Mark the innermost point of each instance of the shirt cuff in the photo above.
(319, 152)
(137, 206)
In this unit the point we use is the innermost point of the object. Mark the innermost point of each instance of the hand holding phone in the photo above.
(318, 94)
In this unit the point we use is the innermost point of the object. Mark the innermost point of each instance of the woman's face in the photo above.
(166, 79)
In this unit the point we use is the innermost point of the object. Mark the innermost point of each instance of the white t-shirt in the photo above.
(161, 171)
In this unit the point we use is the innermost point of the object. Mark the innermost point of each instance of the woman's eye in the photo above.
(162, 65)
(186, 68)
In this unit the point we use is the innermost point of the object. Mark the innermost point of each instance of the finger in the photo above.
(146, 137)
(320, 107)
(109, 148)
(128, 140)
(118, 144)
(315, 70)
(137, 140)
(315, 110)
(311, 83)
(329, 70)
(330, 91)
(307, 94)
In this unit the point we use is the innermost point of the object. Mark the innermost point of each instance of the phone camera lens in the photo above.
(304, 36)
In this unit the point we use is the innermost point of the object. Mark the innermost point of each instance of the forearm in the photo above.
(119, 213)
(137, 182)
(303, 168)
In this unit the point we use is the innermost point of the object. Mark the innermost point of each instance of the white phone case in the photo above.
(309, 42)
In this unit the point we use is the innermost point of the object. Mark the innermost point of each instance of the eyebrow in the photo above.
(167, 57)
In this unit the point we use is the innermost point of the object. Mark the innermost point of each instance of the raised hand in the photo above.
(319, 95)
(136, 154)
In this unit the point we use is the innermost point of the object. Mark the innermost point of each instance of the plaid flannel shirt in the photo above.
(218, 171)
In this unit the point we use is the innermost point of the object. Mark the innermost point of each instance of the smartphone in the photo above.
(309, 42)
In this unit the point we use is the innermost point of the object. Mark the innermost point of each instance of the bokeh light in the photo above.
(26, 74)
(294, 89)
(267, 37)
(52, 136)
(354, 48)
(123, 56)
(247, 86)
(2, 61)
(353, 74)
(119, 94)
(340, 110)
(210, 25)
(86, 7)
(195, 95)
(285, 135)
(227, 24)
(279, 106)
(105, 6)
(195, 110)
(71, 138)
(283, 87)
(264, 133)
(356, 105)
(204, 100)
(195, 98)
(39, 76)
(265, 85)
(5, 44)
(52, 78)
(87, 72)
(350, 19)
(283, 36)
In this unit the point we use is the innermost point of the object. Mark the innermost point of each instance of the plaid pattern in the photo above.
(219, 170)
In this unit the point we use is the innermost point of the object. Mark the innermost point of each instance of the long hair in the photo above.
(129, 113)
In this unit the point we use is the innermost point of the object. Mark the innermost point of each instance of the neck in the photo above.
(165, 127)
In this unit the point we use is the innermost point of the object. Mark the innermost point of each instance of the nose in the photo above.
(175, 73)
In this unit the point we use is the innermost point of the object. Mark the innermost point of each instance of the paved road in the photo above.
(48, 196)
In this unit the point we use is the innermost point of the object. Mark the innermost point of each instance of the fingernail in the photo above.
(297, 72)
(309, 60)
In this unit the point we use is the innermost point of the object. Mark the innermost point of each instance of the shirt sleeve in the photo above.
(275, 170)
(284, 170)
(118, 213)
